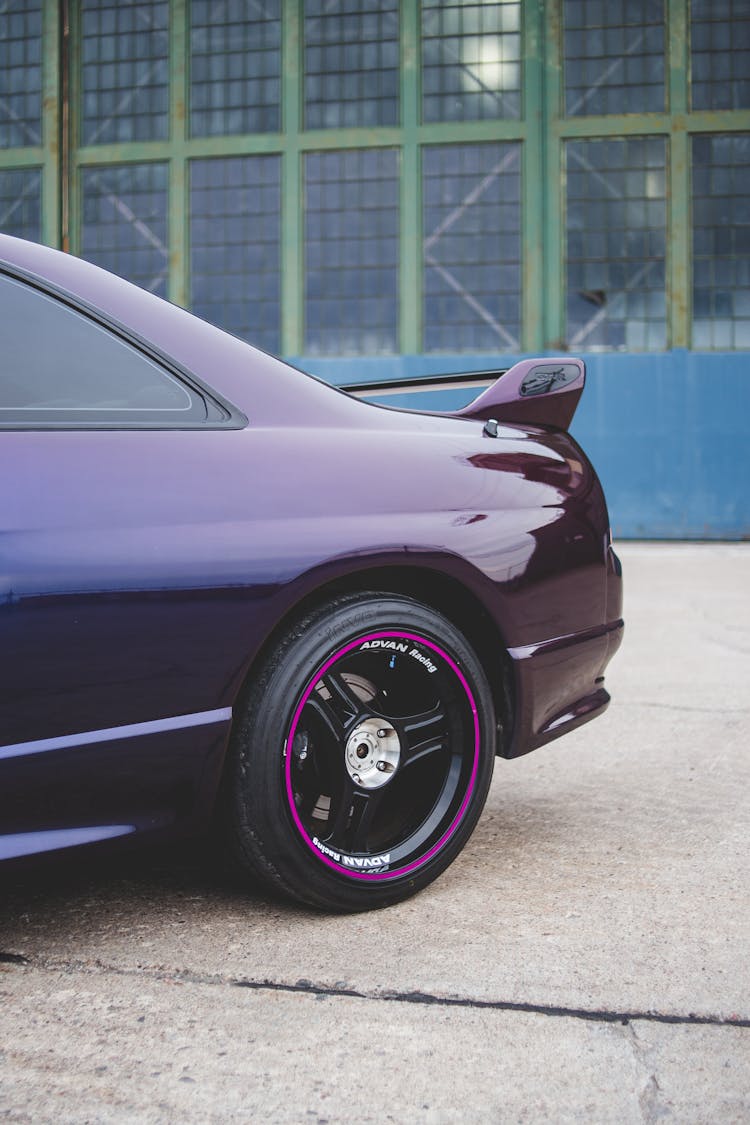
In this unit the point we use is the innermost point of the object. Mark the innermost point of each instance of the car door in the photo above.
(115, 668)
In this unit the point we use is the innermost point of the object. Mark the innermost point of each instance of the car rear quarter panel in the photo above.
(142, 571)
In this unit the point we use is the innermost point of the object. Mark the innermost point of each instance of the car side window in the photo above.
(58, 367)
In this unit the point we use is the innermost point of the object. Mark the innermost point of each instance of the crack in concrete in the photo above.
(651, 1102)
(310, 988)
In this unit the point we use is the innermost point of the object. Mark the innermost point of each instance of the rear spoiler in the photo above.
(533, 392)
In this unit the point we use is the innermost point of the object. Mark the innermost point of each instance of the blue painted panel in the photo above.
(670, 437)
(669, 434)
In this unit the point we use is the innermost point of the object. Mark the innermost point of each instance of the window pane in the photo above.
(614, 56)
(471, 60)
(20, 73)
(351, 63)
(124, 70)
(472, 247)
(124, 227)
(721, 241)
(616, 235)
(351, 252)
(20, 203)
(720, 54)
(234, 245)
(235, 67)
(70, 369)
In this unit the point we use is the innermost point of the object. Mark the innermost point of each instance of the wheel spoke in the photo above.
(422, 734)
(341, 814)
(365, 807)
(343, 698)
(352, 821)
(328, 717)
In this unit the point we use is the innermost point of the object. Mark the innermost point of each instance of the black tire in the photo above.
(362, 756)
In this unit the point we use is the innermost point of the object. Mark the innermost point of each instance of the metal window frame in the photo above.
(677, 124)
(542, 132)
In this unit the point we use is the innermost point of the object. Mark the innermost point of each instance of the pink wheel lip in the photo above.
(388, 875)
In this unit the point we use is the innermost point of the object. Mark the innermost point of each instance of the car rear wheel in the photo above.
(363, 755)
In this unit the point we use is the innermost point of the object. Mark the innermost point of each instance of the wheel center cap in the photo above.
(372, 754)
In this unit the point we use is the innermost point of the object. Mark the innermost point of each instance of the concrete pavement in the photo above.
(586, 958)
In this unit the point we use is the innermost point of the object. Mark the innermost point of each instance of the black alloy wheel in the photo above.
(364, 755)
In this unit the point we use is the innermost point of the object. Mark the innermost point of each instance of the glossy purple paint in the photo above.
(143, 572)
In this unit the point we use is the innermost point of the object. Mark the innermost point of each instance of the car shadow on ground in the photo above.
(192, 867)
(107, 889)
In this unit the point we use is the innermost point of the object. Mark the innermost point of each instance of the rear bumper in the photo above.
(559, 682)
(559, 685)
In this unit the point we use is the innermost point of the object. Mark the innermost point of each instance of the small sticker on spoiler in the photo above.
(548, 377)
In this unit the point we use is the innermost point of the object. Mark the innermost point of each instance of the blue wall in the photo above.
(669, 434)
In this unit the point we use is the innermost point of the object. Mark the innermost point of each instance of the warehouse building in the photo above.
(379, 190)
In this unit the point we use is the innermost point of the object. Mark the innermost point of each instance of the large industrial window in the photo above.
(235, 271)
(616, 245)
(721, 241)
(124, 222)
(471, 60)
(351, 63)
(472, 247)
(21, 202)
(124, 71)
(720, 54)
(341, 177)
(235, 67)
(21, 74)
(614, 56)
(351, 252)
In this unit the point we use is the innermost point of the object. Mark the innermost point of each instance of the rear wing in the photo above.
(534, 392)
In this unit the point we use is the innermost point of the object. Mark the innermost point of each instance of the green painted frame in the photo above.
(47, 155)
(542, 131)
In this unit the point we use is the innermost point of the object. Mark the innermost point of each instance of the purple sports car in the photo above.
(231, 591)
